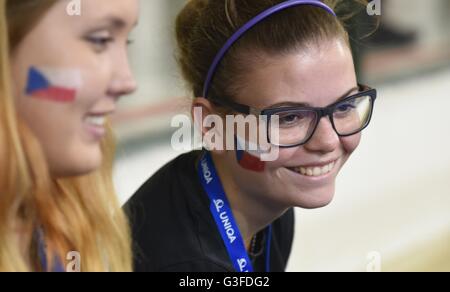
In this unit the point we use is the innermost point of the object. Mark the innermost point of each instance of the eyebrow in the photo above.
(117, 23)
(305, 104)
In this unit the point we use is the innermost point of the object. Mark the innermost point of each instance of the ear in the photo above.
(202, 111)
(201, 108)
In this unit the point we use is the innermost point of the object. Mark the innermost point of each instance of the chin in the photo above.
(79, 165)
(89, 165)
(315, 205)
(314, 200)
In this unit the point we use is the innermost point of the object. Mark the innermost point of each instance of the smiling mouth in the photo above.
(96, 121)
(315, 170)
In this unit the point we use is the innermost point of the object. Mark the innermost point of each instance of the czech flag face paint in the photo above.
(248, 159)
(53, 85)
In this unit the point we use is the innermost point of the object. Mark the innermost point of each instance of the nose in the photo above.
(123, 81)
(324, 139)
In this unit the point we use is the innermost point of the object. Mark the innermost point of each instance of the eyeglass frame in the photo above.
(320, 112)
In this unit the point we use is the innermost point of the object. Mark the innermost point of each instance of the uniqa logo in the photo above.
(206, 173)
(242, 264)
(231, 234)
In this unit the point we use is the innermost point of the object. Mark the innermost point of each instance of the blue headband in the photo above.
(260, 17)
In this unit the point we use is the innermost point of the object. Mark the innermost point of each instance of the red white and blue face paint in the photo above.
(247, 158)
(58, 85)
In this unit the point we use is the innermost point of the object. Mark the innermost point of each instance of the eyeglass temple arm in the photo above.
(244, 109)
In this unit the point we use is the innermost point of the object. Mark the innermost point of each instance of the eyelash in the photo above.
(103, 42)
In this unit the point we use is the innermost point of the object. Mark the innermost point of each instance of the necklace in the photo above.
(257, 245)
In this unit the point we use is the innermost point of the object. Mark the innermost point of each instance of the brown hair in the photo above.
(203, 27)
(75, 214)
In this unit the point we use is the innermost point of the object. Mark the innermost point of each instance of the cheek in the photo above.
(53, 103)
(54, 85)
(273, 160)
(52, 123)
(51, 74)
(74, 90)
(98, 90)
(250, 162)
(350, 143)
(49, 99)
(285, 156)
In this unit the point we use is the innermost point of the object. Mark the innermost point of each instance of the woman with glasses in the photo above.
(289, 64)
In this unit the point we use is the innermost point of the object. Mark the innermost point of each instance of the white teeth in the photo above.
(96, 121)
(315, 171)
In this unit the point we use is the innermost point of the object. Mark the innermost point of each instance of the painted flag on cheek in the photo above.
(248, 159)
(53, 85)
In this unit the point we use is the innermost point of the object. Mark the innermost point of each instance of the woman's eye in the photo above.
(345, 107)
(100, 43)
(290, 119)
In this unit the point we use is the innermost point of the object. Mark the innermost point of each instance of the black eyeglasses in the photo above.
(296, 125)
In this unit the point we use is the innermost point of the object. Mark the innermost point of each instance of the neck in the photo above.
(252, 213)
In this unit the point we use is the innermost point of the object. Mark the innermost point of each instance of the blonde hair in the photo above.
(79, 214)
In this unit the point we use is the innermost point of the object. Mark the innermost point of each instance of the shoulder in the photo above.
(283, 236)
(174, 179)
(286, 222)
(284, 228)
(175, 171)
(165, 218)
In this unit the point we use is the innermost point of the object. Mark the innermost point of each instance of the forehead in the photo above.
(317, 75)
(93, 10)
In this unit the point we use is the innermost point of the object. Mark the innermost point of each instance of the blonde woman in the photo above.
(60, 79)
